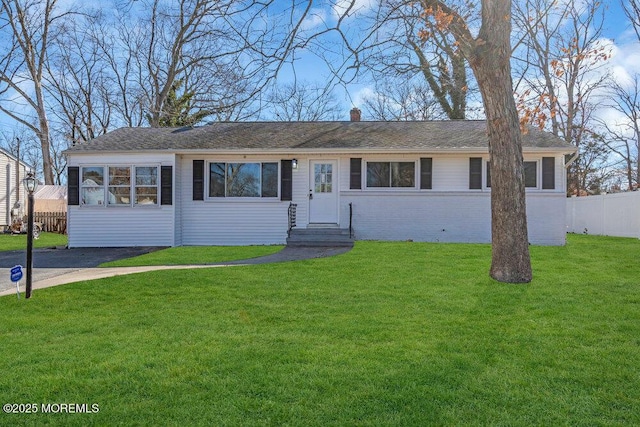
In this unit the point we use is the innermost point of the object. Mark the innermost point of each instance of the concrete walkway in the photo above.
(47, 277)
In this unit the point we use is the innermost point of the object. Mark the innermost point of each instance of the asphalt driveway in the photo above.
(54, 267)
(54, 262)
(70, 258)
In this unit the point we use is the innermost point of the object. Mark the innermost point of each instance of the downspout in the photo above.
(566, 168)
(571, 160)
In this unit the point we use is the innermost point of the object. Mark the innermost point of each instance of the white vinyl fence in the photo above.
(607, 214)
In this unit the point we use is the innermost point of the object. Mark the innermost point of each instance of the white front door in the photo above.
(323, 192)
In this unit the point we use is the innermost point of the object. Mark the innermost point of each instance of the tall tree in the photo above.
(386, 42)
(223, 54)
(632, 10)
(26, 28)
(302, 101)
(401, 101)
(224, 51)
(489, 55)
(78, 81)
(178, 109)
(623, 134)
(559, 64)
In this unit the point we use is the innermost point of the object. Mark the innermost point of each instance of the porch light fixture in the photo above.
(294, 163)
(30, 184)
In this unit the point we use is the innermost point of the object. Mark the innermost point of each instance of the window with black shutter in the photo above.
(548, 173)
(198, 180)
(166, 185)
(355, 182)
(475, 173)
(426, 170)
(73, 185)
(286, 180)
(488, 175)
(531, 174)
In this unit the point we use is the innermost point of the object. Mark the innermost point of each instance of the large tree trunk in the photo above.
(43, 136)
(490, 63)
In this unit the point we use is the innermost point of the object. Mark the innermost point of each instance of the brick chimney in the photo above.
(355, 114)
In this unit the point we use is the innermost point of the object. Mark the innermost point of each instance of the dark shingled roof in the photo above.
(313, 136)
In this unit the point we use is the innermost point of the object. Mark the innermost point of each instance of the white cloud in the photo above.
(625, 62)
(316, 18)
(362, 94)
(354, 7)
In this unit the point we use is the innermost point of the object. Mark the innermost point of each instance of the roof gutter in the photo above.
(325, 151)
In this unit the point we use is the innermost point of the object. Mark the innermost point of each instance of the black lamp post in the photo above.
(30, 184)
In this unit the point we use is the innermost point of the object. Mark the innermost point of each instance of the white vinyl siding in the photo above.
(10, 189)
(449, 212)
(230, 220)
(110, 226)
(120, 227)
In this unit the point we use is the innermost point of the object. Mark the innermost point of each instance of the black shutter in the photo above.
(475, 173)
(286, 180)
(198, 180)
(548, 173)
(73, 185)
(166, 185)
(355, 182)
(488, 175)
(426, 169)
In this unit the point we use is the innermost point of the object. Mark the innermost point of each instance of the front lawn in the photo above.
(387, 334)
(15, 242)
(185, 255)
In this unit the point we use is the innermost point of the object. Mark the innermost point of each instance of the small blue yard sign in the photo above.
(16, 273)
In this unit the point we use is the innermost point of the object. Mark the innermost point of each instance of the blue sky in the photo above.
(626, 59)
(617, 32)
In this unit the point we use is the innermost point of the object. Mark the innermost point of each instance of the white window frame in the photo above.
(208, 197)
(109, 185)
(135, 185)
(106, 184)
(365, 176)
(96, 188)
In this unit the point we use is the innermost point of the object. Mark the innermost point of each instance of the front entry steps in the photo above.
(327, 237)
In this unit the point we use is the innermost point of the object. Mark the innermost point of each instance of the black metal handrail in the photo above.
(293, 207)
(351, 220)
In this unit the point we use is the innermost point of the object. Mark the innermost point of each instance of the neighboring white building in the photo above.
(13, 196)
(232, 183)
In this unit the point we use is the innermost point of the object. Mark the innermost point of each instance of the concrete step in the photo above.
(313, 237)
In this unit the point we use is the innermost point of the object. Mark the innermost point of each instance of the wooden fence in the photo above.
(52, 221)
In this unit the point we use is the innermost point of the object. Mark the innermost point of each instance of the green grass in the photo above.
(387, 334)
(187, 255)
(14, 242)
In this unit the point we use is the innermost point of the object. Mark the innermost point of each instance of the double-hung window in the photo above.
(146, 185)
(119, 185)
(391, 174)
(243, 179)
(92, 185)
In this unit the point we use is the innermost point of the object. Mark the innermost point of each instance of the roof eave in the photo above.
(289, 151)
